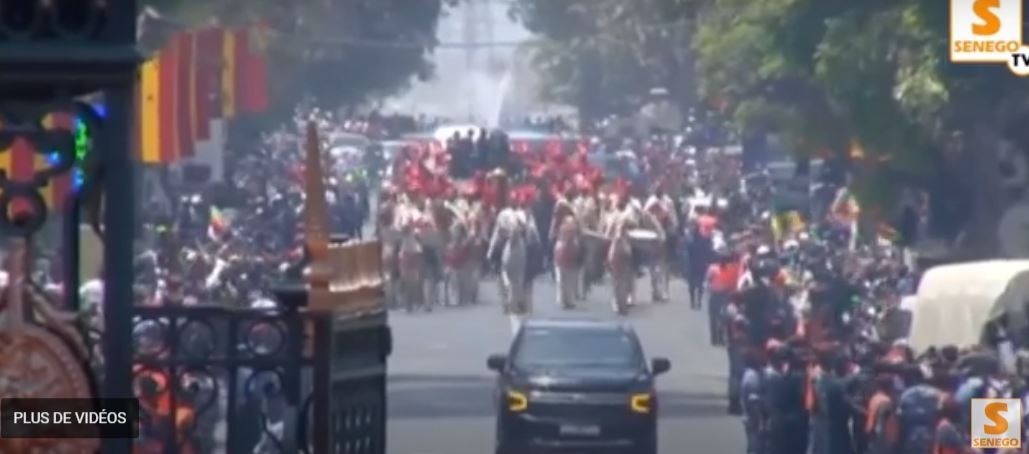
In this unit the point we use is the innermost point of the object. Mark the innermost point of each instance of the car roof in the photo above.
(576, 323)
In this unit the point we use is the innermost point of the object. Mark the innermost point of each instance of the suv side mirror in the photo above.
(659, 366)
(496, 363)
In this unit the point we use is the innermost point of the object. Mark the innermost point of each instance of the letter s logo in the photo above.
(983, 9)
(994, 413)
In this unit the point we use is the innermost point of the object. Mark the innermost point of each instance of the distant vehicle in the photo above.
(348, 140)
(576, 386)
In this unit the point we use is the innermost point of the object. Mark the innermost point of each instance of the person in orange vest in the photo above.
(722, 279)
(881, 423)
(154, 394)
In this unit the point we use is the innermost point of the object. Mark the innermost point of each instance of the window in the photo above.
(577, 347)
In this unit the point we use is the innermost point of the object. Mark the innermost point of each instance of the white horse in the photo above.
(411, 264)
(461, 266)
(513, 233)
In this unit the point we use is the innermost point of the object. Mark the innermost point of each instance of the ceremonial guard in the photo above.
(513, 233)
(563, 208)
(388, 233)
(619, 262)
(587, 213)
(662, 209)
(462, 246)
(567, 260)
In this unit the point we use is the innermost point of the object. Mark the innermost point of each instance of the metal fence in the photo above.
(215, 379)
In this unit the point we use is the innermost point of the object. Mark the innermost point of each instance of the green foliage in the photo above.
(586, 47)
(336, 53)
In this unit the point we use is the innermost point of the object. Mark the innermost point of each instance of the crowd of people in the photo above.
(805, 303)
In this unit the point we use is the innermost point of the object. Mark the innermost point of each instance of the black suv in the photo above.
(576, 386)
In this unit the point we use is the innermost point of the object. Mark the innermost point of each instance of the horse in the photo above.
(461, 267)
(510, 240)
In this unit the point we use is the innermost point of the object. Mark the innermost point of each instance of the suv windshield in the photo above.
(551, 348)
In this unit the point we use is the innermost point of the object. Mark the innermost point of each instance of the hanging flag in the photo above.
(208, 80)
(184, 111)
(254, 78)
(168, 102)
(231, 43)
(149, 112)
(217, 222)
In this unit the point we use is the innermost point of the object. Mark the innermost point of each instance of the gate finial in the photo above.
(316, 218)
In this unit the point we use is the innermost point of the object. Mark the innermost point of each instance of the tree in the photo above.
(334, 53)
(830, 75)
(616, 48)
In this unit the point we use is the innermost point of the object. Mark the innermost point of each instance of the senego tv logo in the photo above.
(988, 31)
(996, 423)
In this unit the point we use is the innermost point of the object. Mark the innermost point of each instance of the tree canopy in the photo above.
(334, 53)
(867, 80)
(585, 47)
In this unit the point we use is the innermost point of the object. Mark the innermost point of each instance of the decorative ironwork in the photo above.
(51, 52)
(217, 379)
(310, 377)
(41, 354)
(49, 19)
(35, 127)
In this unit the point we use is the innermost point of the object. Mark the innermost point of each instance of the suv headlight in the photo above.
(641, 403)
(517, 401)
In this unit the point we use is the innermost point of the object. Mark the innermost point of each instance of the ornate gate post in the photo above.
(51, 53)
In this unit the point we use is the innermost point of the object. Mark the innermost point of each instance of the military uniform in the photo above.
(567, 263)
(619, 259)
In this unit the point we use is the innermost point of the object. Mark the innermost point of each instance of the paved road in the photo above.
(440, 390)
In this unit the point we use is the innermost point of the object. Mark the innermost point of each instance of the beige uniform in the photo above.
(659, 214)
(567, 268)
(513, 232)
(619, 260)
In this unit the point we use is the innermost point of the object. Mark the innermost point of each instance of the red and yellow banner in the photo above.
(199, 76)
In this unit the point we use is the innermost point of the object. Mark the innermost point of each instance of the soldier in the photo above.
(567, 250)
(587, 212)
(410, 258)
(663, 209)
(509, 242)
(619, 260)
(563, 208)
(657, 256)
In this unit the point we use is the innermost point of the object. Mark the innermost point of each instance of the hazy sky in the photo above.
(457, 92)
